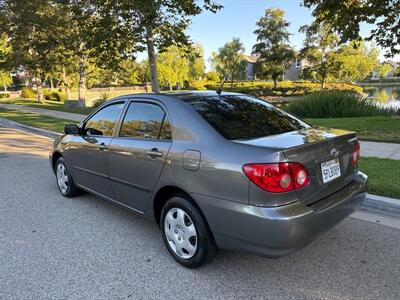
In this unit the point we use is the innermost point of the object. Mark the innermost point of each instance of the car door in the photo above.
(88, 153)
(138, 153)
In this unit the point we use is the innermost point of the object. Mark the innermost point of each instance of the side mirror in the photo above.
(72, 129)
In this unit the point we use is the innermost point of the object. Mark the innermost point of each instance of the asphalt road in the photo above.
(85, 248)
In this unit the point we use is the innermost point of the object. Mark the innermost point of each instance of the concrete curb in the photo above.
(39, 131)
(380, 204)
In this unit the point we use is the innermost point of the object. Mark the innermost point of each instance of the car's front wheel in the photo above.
(65, 182)
(185, 233)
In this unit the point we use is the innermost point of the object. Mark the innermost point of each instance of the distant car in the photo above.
(225, 171)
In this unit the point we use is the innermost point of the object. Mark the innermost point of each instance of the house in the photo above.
(293, 73)
(393, 73)
(395, 66)
(251, 60)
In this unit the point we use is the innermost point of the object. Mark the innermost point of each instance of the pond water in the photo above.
(385, 96)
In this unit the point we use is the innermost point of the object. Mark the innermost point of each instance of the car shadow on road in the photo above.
(357, 258)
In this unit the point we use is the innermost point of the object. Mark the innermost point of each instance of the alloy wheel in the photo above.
(62, 178)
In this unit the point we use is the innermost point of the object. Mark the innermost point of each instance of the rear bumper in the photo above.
(277, 231)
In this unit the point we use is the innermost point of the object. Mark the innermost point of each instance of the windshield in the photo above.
(242, 117)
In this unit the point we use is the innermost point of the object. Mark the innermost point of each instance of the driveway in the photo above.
(85, 248)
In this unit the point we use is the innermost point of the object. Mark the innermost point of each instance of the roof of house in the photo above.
(392, 63)
(250, 58)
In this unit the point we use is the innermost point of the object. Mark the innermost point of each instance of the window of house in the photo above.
(298, 63)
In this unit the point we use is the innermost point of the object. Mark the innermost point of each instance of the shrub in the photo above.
(334, 104)
(213, 76)
(197, 85)
(54, 95)
(285, 88)
(4, 95)
(28, 92)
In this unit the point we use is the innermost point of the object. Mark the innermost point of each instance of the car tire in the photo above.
(186, 233)
(64, 179)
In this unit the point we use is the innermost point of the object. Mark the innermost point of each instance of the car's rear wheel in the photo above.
(65, 182)
(185, 233)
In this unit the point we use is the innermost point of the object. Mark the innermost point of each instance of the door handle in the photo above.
(153, 153)
(103, 147)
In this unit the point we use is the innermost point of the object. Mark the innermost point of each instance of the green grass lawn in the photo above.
(35, 120)
(378, 128)
(383, 176)
(52, 105)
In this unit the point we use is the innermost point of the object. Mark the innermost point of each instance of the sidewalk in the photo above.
(380, 150)
(45, 112)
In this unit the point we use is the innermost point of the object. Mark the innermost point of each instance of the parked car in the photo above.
(214, 171)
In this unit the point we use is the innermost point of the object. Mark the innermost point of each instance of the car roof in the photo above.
(182, 96)
(188, 95)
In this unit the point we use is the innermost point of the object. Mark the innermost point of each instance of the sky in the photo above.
(238, 19)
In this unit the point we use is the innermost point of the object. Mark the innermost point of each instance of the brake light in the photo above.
(277, 177)
(356, 154)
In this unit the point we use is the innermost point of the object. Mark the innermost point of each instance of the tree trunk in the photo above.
(170, 87)
(39, 93)
(82, 82)
(323, 83)
(152, 60)
(5, 88)
(275, 83)
(51, 83)
(66, 84)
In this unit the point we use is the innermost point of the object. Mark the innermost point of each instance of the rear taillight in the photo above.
(277, 177)
(356, 154)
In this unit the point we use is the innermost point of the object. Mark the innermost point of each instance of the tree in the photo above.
(25, 23)
(345, 17)
(5, 50)
(273, 48)
(319, 49)
(133, 72)
(156, 23)
(196, 62)
(356, 61)
(48, 36)
(228, 61)
(173, 67)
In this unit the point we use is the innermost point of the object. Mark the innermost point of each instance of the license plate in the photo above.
(330, 170)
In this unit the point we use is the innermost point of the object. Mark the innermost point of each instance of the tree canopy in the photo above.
(356, 61)
(345, 17)
(173, 67)
(319, 50)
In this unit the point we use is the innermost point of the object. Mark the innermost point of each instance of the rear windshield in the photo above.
(239, 117)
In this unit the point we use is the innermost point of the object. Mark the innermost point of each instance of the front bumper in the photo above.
(277, 231)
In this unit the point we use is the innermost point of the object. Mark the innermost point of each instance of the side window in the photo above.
(166, 132)
(145, 121)
(104, 121)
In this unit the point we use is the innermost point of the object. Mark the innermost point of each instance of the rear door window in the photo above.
(241, 117)
(145, 121)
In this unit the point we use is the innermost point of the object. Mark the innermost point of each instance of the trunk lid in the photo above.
(311, 147)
